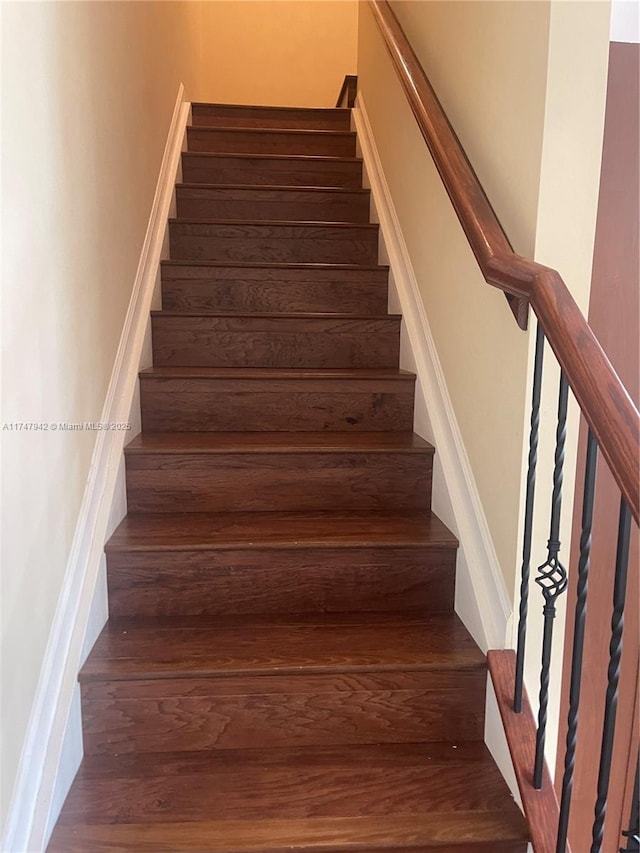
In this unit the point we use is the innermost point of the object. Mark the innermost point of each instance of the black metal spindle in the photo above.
(613, 675)
(633, 833)
(578, 640)
(552, 579)
(528, 518)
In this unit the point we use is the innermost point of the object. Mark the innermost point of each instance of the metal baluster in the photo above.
(633, 833)
(552, 579)
(528, 518)
(613, 675)
(578, 639)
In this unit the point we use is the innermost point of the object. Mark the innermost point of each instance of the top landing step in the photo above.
(245, 115)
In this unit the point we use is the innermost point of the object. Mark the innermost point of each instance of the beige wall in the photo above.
(523, 85)
(88, 90)
(483, 354)
(278, 51)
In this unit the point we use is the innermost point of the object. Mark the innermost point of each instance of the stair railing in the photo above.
(614, 433)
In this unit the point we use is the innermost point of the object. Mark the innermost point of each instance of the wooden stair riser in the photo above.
(229, 115)
(172, 714)
(268, 141)
(275, 342)
(201, 202)
(274, 171)
(273, 242)
(271, 405)
(230, 482)
(281, 580)
(201, 288)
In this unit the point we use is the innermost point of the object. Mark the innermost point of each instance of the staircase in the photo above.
(282, 669)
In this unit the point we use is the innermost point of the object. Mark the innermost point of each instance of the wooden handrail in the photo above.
(603, 399)
(349, 90)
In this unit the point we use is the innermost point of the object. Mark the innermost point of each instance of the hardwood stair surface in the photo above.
(282, 668)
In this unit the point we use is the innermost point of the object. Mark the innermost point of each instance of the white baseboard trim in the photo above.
(53, 746)
(482, 600)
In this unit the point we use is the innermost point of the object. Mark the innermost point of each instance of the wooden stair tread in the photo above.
(210, 647)
(199, 105)
(304, 131)
(191, 185)
(368, 781)
(295, 530)
(320, 158)
(285, 223)
(279, 442)
(181, 262)
(273, 315)
(275, 373)
(446, 832)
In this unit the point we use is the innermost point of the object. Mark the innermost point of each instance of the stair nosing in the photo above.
(251, 443)
(441, 538)
(267, 187)
(297, 315)
(297, 157)
(216, 104)
(280, 373)
(288, 223)
(306, 131)
(266, 265)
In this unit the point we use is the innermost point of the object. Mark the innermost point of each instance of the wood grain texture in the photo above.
(180, 472)
(226, 399)
(540, 807)
(288, 784)
(279, 341)
(208, 201)
(204, 287)
(278, 581)
(287, 530)
(272, 170)
(240, 115)
(603, 400)
(446, 832)
(225, 140)
(273, 483)
(302, 562)
(276, 242)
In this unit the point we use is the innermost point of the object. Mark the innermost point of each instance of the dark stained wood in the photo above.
(322, 204)
(289, 783)
(274, 242)
(263, 400)
(282, 668)
(348, 92)
(240, 115)
(225, 140)
(604, 401)
(294, 341)
(272, 288)
(447, 832)
(201, 472)
(211, 582)
(272, 170)
(295, 530)
(300, 562)
(312, 644)
(540, 807)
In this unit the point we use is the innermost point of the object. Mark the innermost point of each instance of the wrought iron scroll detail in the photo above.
(552, 579)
